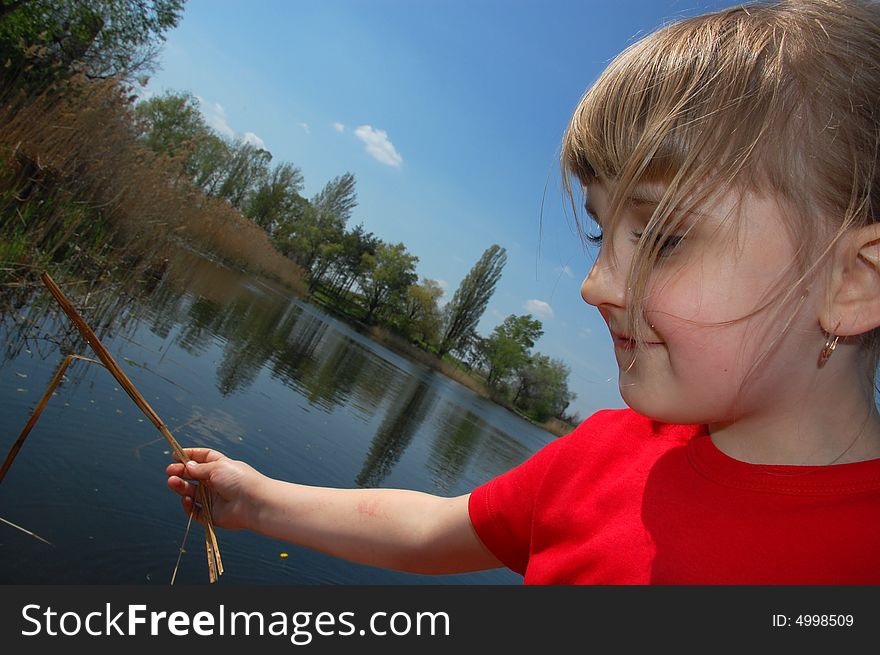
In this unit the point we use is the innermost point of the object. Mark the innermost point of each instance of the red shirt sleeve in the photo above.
(501, 510)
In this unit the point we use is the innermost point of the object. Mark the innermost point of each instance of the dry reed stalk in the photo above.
(182, 549)
(215, 565)
(27, 532)
(56, 380)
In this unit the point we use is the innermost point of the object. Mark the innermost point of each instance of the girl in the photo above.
(729, 162)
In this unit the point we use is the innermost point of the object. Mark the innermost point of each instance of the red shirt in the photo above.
(626, 500)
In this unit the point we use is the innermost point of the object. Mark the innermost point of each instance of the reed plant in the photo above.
(77, 186)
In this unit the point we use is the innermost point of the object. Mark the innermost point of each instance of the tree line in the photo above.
(351, 268)
(346, 267)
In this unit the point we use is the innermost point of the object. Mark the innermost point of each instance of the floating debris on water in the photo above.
(283, 556)
(21, 390)
(21, 375)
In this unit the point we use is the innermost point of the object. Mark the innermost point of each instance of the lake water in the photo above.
(235, 363)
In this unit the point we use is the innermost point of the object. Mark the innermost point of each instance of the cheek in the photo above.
(709, 291)
(683, 301)
(703, 325)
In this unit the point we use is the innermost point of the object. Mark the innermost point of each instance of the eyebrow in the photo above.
(635, 199)
(641, 201)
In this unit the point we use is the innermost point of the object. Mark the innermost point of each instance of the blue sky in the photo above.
(448, 112)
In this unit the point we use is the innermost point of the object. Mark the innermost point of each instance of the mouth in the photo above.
(624, 342)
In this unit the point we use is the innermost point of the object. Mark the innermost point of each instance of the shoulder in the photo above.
(627, 423)
(612, 433)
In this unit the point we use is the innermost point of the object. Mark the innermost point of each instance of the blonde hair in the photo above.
(779, 99)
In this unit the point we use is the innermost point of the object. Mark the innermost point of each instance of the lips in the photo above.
(625, 342)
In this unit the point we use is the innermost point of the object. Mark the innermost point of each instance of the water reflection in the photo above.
(404, 416)
(235, 363)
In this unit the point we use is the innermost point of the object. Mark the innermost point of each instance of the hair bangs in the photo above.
(691, 107)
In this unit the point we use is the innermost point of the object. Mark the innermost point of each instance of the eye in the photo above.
(595, 239)
(668, 246)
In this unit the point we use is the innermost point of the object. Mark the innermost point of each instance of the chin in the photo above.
(661, 409)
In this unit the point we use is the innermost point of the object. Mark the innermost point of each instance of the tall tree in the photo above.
(543, 388)
(508, 347)
(307, 235)
(207, 164)
(275, 197)
(171, 124)
(471, 298)
(246, 167)
(419, 315)
(356, 243)
(386, 276)
(338, 197)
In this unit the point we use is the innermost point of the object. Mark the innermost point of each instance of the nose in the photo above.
(604, 284)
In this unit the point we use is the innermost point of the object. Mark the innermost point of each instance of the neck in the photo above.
(835, 422)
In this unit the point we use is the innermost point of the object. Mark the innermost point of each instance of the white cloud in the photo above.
(305, 127)
(339, 127)
(379, 145)
(250, 137)
(442, 300)
(144, 93)
(216, 118)
(539, 308)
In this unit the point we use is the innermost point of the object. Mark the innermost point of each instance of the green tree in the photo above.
(207, 164)
(307, 234)
(48, 39)
(276, 197)
(172, 125)
(420, 316)
(508, 347)
(386, 276)
(543, 391)
(356, 243)
(244, 170)
(469, 302)
(338, 197)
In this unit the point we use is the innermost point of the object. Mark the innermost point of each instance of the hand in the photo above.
(232, 486)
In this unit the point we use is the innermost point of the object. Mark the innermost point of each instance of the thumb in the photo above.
(199, 471)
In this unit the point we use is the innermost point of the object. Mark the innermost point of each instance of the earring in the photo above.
(828, 349)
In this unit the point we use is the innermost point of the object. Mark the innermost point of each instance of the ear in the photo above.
(853, 305)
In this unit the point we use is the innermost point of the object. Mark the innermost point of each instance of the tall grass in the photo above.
(77, 186)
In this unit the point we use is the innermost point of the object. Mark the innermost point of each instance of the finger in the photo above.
(203, 454)
(191, 507)
(199, 471)
(175, 469)
(182, 487)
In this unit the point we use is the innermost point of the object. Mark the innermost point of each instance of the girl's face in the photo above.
(706, 305)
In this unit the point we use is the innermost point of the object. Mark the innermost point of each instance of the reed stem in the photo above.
(215, 565)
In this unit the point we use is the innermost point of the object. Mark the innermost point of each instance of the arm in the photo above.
(391, 528)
